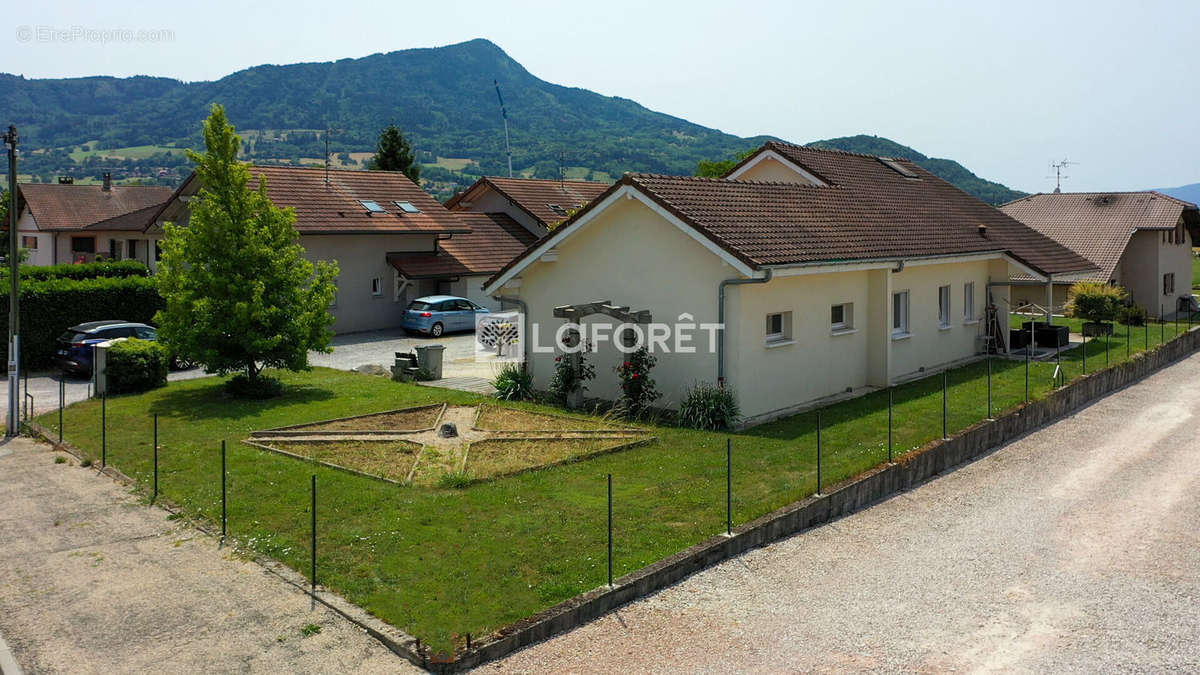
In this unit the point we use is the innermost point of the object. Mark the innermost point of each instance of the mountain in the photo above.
(443, 98)
(1188, 193)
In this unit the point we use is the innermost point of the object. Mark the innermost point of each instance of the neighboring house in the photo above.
(536, 204)
(831, 272)
(1140, 240)
(65, 223)
(371, 222)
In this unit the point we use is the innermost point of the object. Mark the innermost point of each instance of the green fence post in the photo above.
(62, 397)
(889, 425)
(314, 534)
(154, 496)
(989, 386)
(103, 430)
(1162, 324)
(728, 486)
(224, 473)
(610, 557)
(818, 452)
(945, 395)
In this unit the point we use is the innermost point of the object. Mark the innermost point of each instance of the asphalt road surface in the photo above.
(1074, 549)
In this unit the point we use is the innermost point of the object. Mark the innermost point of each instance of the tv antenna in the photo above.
(1059, 167)
(504, 114)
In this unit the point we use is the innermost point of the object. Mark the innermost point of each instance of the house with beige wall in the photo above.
(67, 223)
(1140, 240)
(826, 271)
(372, 223)
(535, 203)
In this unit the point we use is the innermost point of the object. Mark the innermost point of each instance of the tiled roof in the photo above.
(494, 240)
(74, 207)
(1098, 225)
(534, 196)
(867, 211)
(333, 207)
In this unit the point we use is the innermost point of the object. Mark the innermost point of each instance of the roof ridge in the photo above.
(730, 181)
(836, 151)
(1154, 193)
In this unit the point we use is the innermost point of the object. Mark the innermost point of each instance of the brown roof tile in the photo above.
(333, 207)
(74, 207)
(868, 211)
(1098, 225)
(534, 196)
(494, 240)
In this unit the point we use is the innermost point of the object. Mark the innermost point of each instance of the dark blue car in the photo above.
(74, 348)
(437, 314)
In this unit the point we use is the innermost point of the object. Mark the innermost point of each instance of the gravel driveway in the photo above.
(1074, 549)
(93, 581)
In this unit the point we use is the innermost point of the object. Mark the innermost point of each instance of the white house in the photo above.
(66, 223)
(1140, 240)
(830, 271)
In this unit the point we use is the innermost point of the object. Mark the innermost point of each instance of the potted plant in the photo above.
(1097, 304)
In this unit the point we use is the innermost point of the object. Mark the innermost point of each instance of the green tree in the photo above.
(239, 295)
(393, 153)
(4, 224)
(718, 168)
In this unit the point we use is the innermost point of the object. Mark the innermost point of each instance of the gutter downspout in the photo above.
(525, 363)
(721, 318)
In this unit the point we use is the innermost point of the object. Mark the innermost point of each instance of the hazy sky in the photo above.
(1003, 87)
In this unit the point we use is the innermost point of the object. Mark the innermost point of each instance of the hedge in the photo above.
(135, 365)
(96, 270)
(49, 308)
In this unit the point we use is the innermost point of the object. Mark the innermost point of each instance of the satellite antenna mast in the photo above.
(1059, 167)
(327, 130)
(504, 114)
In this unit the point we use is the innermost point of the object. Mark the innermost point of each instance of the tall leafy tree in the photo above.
(393, 153)
(717, 168)
(239, 294)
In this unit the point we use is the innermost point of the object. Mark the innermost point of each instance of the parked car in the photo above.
(74, 348)
(437, 314)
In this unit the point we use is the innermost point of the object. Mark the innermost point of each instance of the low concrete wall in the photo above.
(846, 497)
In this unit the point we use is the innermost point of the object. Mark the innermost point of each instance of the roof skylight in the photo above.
(371, 206)
(558, 209)
(898, 168)
(407, 207)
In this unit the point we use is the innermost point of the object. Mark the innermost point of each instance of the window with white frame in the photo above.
(1168, 283)
(944, 306)
(841, 317)
(377, 286)
(778, 328)
(969, 301)
(900, 313)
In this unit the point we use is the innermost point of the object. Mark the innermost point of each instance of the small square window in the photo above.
(841, 317)
(1168, 283)
(29, 243)
(779, 327)
(969, 301)
(376, 286)
(407, 207)
(371, 207)
(557, 209)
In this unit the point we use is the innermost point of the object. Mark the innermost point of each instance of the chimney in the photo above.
(107, 182)
(983, 230)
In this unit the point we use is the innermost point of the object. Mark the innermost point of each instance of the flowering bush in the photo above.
(570, 374)
(637, 388)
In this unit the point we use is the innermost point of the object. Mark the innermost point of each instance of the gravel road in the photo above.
(1074, 549)
(92, 581)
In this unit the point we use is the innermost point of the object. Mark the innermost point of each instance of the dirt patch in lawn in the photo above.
(392, 460)
(494, 418)
(499, 457)
(436, 462)
(408, 419)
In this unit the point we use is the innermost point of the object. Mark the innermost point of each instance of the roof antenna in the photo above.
(327, 130)
(1059, 167)
(562, 169)
(504, 114)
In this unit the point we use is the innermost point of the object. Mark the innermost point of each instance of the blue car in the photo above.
(434, 315)
(73, 349)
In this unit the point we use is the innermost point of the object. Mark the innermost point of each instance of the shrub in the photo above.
(455, 480)
(637, 387)
(709, 407)
(1094, 301)
(244, 386)
(568, 378)
(97, 270)
(136, 365)
(513, 383)
(1132, 315)
(50, 307)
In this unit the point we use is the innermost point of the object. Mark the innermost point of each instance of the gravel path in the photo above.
(1075, 549)
(92, 581)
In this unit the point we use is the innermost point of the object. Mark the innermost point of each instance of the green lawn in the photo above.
(440, 563)
(1195, 272)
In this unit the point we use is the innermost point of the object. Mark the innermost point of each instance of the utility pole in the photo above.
(14, 325)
